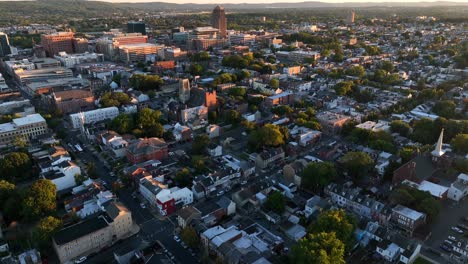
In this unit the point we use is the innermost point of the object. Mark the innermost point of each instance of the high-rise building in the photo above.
(352, 14)
(57, 42)
(136, 27)
(218, 20)
(184, 90)
(4, 45)
(80, 45)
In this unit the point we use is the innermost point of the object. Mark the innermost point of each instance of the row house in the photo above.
(267, 157)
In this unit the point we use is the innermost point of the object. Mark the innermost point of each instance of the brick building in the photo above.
(147, 149)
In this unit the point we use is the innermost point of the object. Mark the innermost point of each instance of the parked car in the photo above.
(448, 242)
(142, 205)
(445, 248)
(456, 229)
(220, 193)
(243, 182)
(80, 260)
(452, 238)
(176, 238)
(462, 226)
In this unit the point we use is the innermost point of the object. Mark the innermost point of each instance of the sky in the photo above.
(273, 1)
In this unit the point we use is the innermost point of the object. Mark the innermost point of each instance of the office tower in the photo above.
(136, 27)
(4, 45)
(351, 17)
(57, 42)
(218, 20)
(184, 90)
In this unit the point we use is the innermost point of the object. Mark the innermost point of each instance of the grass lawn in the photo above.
(420, 260)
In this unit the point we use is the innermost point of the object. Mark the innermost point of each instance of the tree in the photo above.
(387, 66)
(190, 237)
(79, 179)
(198, 163)
(201, 56)
(282, 110)
(40, 199)
(15, 165)
(339, 222)
(114, 99)
(232, 117)
(123, 124)
(274, 83)
(357, 71)
(155, 130)
(445, 108)
(144, 82)
(6, 190)
(91, 170)
(460, 143)
(344, 88)
(45, 229)
(400, 127)
(357, 164)
(148, 117)
(200, 143)
(320, 248)
(317, 175)
(182, 177)
(196, 69)
(267, 136)
(275, 202)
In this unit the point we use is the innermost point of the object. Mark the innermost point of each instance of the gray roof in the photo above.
(80, 229)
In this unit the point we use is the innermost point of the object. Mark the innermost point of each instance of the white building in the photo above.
(63, 175)
(3, 85)
(23, 128)
(70, 60)
(459, 188)
(93, 116)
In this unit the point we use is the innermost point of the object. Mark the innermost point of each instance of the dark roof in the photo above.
(113, 209)
(80, 229)
(207, 208)
(224, 202)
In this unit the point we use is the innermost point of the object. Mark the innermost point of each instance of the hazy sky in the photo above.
(272, 1)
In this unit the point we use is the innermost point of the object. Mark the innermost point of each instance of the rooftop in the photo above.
(80, 229)
(408, 212)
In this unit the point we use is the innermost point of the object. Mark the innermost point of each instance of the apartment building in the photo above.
(23, 128)
(93, 116)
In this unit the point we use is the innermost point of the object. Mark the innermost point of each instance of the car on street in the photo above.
(462, 226)
(176, 238)
(220, 193)
(243, 182)
(80, 260)
(142, 205)
(452, 238)
(448, 242)
(445, 248)
(456, 229)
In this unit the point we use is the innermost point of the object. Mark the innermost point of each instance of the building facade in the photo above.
(93, 116)
(218, 20)
(23, 128)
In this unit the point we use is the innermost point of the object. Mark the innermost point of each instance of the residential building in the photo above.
(3, 86)
(332, 122)
(284, 98)
(459, 188)
(94, 233)
(292, 171)
(267, 157)
(63, 175)
(24, 128)
(80, 45)
(145, 149)
(93, 116)
(71, 101)
(407, 219)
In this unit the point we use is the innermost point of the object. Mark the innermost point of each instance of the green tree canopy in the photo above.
(445, 108)
(15, 165)
(267, 136)
(144, 82)
(400, 127)
(317, 175)
(114, 99)
(122, 124)
(148, 117)
(183, 178)
(357, 71)
(357, 164)
(199, 144)
(344, 88)
(45, 229)
(339, 222)
(232, 117)
(190, 237)
(275, 202)
(6, 190)
(196, 69)
(460, 143)
(40, 199)
(274, 83)
(320, 248)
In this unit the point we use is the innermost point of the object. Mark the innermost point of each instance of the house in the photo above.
(63, 175)
(211, 213)
(284, 98)
(269, 156)
(182, 133)
(332, 122)
(147, 149)
(293, 170)
(215, 150)
(94, 233)
(459, 188)
(407, 219)
(315, 206)
(186, 215)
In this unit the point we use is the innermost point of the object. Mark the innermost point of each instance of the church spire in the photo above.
(438, 149)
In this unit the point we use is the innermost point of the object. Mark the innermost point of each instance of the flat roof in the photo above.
(29, 119)
(80, 229)
(408, 212)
